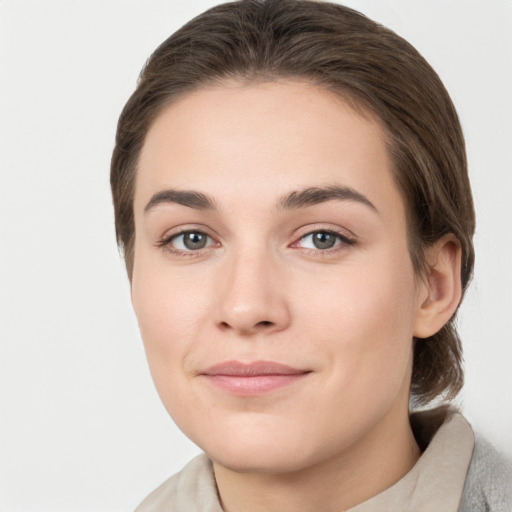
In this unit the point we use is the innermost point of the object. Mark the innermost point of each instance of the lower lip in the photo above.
(253, 385)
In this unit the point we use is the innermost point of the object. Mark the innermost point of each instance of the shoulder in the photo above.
(192, 489)
(488, 486)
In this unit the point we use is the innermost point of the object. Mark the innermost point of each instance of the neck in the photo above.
(373, 464)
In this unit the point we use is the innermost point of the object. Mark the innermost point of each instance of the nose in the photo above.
(252, 297)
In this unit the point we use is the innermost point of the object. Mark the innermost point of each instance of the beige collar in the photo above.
(436, 481)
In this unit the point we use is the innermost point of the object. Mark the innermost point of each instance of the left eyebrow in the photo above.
(316, 195)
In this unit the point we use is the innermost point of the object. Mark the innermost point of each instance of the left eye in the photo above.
(190, 241)
(321, 240)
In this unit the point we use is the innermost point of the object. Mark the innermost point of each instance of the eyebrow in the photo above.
(297, 199)
(190, 198)
(315, 195)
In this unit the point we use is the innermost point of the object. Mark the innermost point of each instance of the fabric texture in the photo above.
(457, 472)
(488, 486)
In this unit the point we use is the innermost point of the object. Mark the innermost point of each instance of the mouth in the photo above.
(252, 379)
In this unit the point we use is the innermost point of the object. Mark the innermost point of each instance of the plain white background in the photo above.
(81, 426)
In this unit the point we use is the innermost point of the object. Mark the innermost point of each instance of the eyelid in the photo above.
(186, 228)
(329, 228)
(165, 240)
(345, 237)
(188, 232)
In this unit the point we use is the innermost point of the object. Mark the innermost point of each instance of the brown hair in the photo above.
(343, 51)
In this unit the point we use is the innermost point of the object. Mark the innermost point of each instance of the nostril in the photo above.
(259, 325)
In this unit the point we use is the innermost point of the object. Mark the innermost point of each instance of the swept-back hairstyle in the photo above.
(373, 69)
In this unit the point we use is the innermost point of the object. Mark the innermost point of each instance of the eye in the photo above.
(190, 241)
(323, 240)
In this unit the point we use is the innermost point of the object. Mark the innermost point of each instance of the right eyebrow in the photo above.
(192, 199)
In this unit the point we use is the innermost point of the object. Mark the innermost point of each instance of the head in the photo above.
(263, 52)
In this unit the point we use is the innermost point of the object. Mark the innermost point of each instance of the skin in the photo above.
(261, 290)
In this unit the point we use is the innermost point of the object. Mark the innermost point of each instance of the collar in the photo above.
(437, 480)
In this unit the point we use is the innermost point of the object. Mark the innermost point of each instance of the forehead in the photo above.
(241, 138)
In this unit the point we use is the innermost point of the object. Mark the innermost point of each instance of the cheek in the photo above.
(169, 316)
(363, 321)
(169, 309)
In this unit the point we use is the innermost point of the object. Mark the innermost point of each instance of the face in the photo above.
(272, 281)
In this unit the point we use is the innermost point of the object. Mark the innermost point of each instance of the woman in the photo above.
(292, 199)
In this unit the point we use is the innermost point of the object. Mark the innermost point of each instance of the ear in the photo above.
(440, 288)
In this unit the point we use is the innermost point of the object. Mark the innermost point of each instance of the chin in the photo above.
(257, 459)
(262, 447)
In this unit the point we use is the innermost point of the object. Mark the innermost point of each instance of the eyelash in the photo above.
(166, 243)
(342, 241)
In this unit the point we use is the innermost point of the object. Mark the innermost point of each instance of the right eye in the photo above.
(188, 241)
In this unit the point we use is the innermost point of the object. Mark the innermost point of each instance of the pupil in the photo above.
(194, 240)
(323, 240)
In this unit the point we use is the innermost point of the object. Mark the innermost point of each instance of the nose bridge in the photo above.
(252, 298)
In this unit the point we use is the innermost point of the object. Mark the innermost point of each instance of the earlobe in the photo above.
(440, 290)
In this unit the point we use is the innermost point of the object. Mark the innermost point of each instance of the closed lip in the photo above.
(252, 369)
(252, 379)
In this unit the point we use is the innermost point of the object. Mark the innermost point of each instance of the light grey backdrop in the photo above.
(81, 427)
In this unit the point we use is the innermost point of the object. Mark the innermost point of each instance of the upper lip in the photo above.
(252, 369)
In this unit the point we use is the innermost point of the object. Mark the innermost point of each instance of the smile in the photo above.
(257, 378)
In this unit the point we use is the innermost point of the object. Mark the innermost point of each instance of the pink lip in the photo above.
(252, 379)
